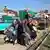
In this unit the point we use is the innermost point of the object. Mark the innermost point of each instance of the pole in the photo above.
(46, 25)
(46, 22)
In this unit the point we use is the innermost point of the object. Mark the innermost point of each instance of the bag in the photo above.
(33, 34)
(14, 32)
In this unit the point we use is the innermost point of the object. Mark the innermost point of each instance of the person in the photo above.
(19, 31)
(15, 22)
(26, 16)
(9, 34)
(15, 25)
(26, 35)
(29, 24)
(32, 29)
(14, 37)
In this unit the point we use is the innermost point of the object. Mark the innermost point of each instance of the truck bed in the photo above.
(3, 26)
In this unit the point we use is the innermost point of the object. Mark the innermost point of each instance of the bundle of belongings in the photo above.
(20, 32)
(11, 32)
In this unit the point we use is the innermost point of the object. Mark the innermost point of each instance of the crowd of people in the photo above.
(21, 31)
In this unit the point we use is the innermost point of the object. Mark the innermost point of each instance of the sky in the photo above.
(34, 5)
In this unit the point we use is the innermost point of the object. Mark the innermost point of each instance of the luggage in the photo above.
(27, 38)
(33, 34)
(11, 34)
(25, 35)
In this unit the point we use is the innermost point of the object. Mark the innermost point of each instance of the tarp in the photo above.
(22, 14)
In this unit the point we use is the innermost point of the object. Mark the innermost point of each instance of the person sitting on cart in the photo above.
(33, 31)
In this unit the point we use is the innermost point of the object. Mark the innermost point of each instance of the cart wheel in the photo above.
(6, 40)
(27, 43)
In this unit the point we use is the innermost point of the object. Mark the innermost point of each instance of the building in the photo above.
(10, 12)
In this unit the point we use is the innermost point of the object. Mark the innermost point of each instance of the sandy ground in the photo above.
(11, 47)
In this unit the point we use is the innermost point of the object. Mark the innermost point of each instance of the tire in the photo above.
(27, 42)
